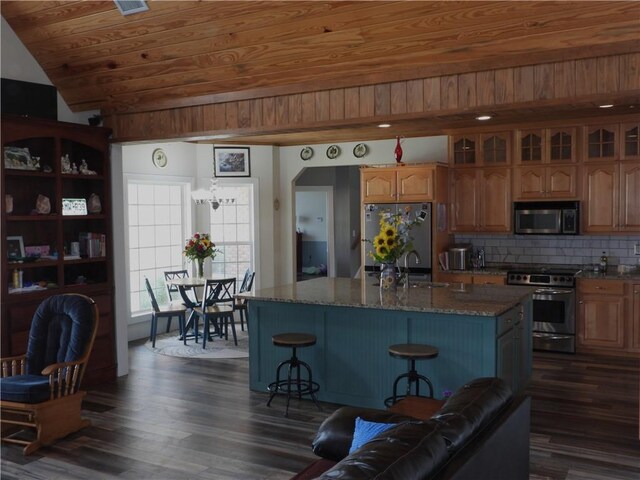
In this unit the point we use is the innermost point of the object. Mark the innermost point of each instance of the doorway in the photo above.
(315, 252)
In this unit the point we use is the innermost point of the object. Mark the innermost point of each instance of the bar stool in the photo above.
(412, 352)
(294, 385)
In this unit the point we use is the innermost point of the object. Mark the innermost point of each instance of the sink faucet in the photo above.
(406, 264)
(481, 263)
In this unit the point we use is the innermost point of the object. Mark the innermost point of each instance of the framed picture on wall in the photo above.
(231, 162)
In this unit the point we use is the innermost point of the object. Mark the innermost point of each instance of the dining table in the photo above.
(187, 284)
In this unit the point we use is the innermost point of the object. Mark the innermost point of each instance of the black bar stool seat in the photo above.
(411, 352)
(296, 384)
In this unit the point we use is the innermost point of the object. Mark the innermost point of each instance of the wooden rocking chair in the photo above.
(40, 390)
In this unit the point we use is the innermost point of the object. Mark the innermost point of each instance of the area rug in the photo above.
(169, 344)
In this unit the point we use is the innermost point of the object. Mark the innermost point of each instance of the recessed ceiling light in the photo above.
(483, 117)
(384, 125)
(606, 106)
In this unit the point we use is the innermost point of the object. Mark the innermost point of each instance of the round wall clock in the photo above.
(306, 153)
(333, 151)
(160, 159)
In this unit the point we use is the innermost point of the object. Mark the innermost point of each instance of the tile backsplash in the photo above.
(554, 249)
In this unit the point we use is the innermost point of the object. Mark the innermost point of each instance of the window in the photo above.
(156, 237)
(232, 232)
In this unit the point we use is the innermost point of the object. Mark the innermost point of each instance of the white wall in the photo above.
(311, 215)
(289, 165)
(18, 64)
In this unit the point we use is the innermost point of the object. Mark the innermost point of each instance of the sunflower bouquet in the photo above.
(394, 238)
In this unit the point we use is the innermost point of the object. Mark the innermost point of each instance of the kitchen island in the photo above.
(480, 330)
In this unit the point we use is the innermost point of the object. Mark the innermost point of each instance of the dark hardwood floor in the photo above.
(173, 418)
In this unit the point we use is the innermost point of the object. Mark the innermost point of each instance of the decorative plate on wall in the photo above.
(333, 151)
(306, 153)
(360, 150)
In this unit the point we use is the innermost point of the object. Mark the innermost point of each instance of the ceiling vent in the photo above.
(128, 7)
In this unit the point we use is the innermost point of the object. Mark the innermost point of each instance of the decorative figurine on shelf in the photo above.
(74, 168)
(397, 153)
(84, 168)
(8, 203)
(65, 164)
(94, 205)
(43, 205)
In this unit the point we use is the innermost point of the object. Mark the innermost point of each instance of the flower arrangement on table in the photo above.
(198, 248)
(391, 243)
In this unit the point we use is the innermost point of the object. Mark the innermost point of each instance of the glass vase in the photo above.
(200, 267)
(388, 276)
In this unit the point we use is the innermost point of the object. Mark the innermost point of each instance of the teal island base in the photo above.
(350, 360)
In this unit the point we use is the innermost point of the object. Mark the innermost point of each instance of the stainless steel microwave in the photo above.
(546, 218)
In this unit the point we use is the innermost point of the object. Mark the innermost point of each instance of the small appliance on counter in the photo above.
(460, 256)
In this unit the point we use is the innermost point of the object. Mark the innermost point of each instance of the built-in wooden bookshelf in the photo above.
(32, 167)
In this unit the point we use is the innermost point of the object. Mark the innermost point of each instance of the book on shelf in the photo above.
(92, 244)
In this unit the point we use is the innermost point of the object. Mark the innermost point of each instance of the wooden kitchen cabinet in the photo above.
(487, 149)
(630, 141)
(481, 200)
(463, 150)
(635, 317)
(378, 185)
(545, 146)
(601, 315)
(629, 197)
(415, 184)
(601, 192)
(611, 198)
(545, 182)
(490, 279)
(403, 184)
(481, 279)
(452, 277)
(601, 143)
(465, 191)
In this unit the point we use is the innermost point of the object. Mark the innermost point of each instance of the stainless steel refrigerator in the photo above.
(420, 232)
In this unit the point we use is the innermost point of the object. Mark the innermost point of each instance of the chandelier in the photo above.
(202, 196)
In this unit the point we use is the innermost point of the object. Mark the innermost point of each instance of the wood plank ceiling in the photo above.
(186, 53)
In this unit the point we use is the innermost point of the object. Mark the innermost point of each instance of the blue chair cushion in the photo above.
(60, 331)
(366, 431)
(24, 388)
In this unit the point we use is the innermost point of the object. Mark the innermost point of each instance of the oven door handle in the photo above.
(551, 336)
(553, 292)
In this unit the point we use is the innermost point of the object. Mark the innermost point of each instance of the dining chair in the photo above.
(241, 303)
(160, 311)
(217, 309)
(175, 295)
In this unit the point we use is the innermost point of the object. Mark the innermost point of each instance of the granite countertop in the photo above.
(453, 298)
(612, 274)
(501, 270)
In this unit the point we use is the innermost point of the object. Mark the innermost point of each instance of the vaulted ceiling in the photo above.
(185, 53)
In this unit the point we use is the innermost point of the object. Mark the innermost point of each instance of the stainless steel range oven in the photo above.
(554, 307)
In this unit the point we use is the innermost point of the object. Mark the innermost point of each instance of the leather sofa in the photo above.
(481, 432)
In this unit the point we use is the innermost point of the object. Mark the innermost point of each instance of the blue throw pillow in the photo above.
(365, 431)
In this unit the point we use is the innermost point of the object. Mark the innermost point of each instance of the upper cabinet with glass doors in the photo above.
(486, 149)
(601, 143)
(631, 141)
(549, 145)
